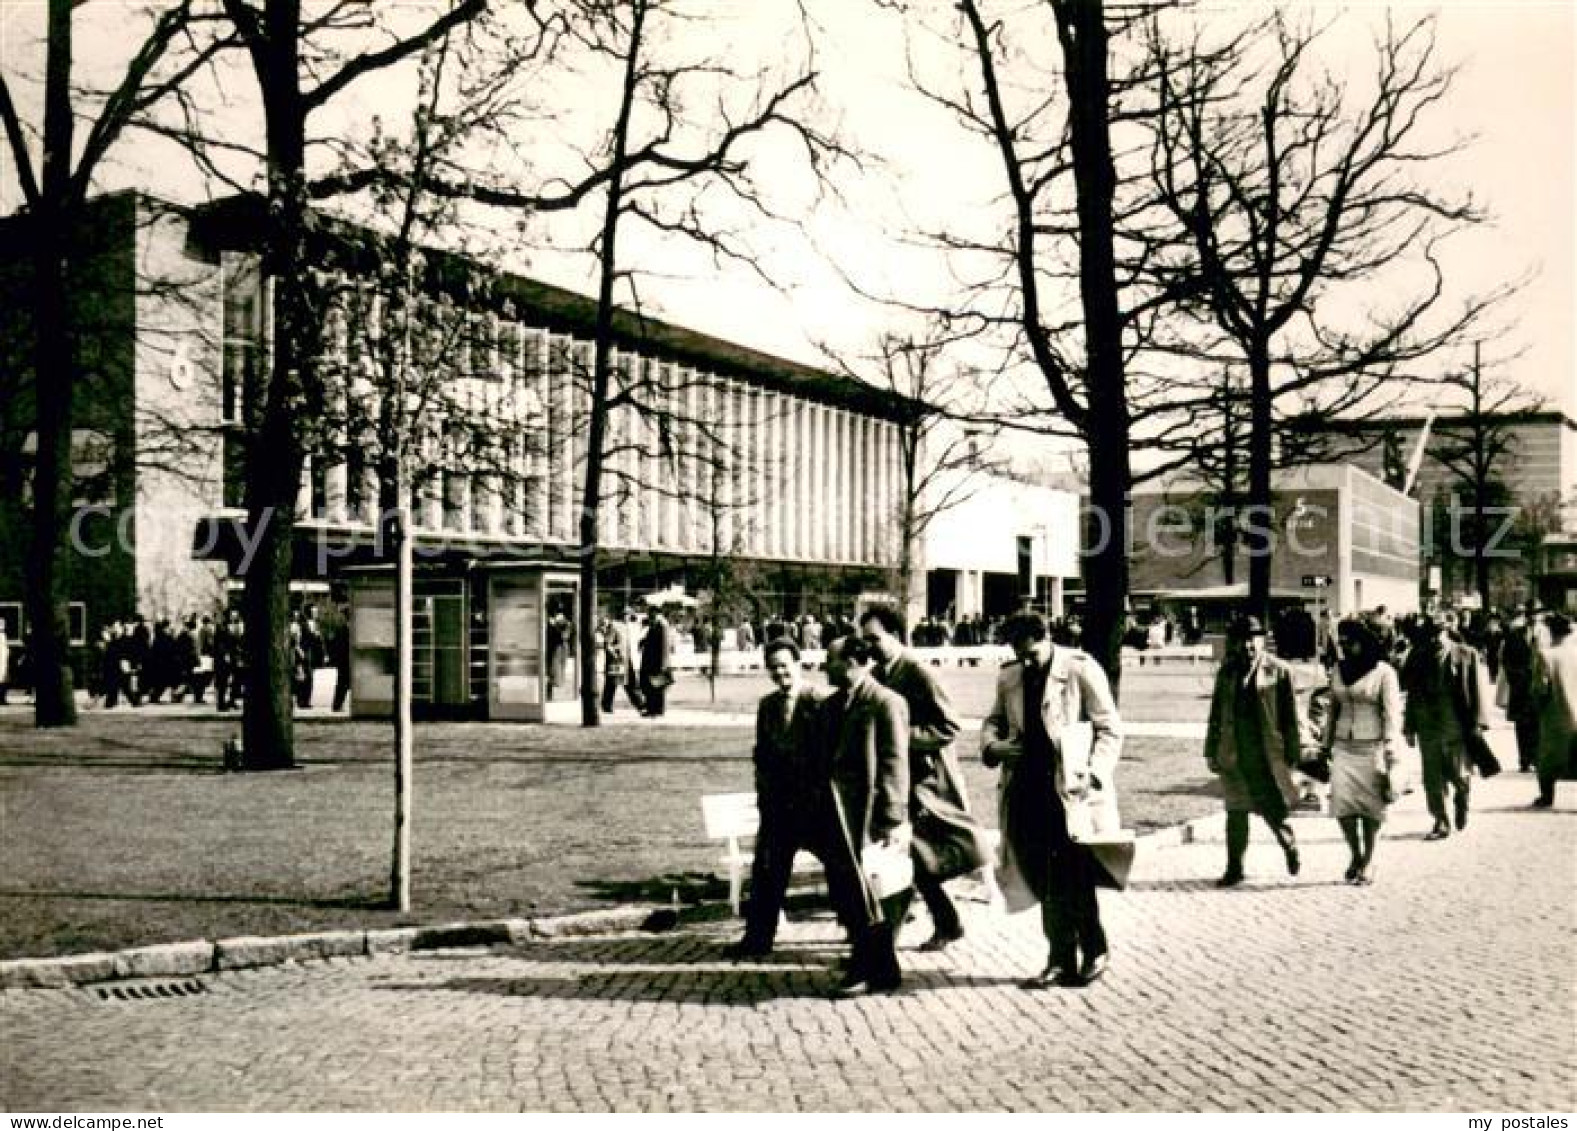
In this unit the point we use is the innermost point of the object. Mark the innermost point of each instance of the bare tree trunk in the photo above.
(597, 430)
(1081, 26)
(49, 562)
(54, 380)
(276, 458)
(1260, 534)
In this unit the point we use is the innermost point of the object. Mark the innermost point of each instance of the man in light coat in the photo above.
(948, 842)
(1253, 741)
(866, 731)
(1447, 702)
(1555, 698)
(1050, 788)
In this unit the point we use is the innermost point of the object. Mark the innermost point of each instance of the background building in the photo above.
(785, 472)
(1534, 477)
(1341, 539)
(1006, 543)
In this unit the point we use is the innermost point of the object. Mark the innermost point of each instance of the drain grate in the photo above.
(151, 991)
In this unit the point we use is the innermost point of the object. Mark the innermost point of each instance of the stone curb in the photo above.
(206, 956)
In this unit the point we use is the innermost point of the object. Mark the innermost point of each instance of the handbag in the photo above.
(888, 870)
(1479, 753)
(945, 849)
(1318, 768)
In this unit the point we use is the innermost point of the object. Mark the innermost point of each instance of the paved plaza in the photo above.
(1451, 984)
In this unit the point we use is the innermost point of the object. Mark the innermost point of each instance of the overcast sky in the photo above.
(1515, 93)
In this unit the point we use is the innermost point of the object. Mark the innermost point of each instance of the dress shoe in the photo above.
(1294, 861)
(1541, 803)
(940, 941)
(1439, 832)
(1094, 968)
(863, 986)
(1461, 807)
(1231, 879)
(1367, 874)
(1353, 869)
(1052, 975)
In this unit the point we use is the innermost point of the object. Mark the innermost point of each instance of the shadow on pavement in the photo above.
(722, 983)
(1249, 886)
(688, 888)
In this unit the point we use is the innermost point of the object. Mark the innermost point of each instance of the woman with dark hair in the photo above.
(1362, 736)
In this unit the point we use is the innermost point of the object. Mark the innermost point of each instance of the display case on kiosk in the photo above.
(489, 641)
(533, 673)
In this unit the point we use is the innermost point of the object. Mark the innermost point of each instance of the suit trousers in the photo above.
(944, 916)
(778, 842)
(654, 698)
(872, 926)
(1445, 764)
(1527, 741)
(1070, 912)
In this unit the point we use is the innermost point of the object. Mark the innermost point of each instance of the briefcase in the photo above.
(1479, 753)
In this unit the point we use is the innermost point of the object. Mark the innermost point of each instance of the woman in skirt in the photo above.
(1362, 737)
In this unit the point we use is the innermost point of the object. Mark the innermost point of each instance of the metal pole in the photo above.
(401, 878)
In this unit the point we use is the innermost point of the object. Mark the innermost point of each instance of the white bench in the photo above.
(732, 817)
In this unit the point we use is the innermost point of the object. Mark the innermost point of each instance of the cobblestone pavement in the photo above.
(1448, 985)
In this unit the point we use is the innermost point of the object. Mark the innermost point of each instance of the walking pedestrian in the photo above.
(1049, 784)
(866, 731)
(1447, 708)
(656, 664)
(337, 643)
(793, 794)
(228, 661)
(1517, 653)
(1253, 741)
(308, 642)
(1555, 696)
(610, 642)
(1362, 735)
(948, 842)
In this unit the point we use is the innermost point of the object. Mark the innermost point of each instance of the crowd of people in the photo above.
(866, 775)
(1419, 681)
(867, 770)
(180, 659)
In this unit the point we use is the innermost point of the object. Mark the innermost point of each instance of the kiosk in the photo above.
(488, 641)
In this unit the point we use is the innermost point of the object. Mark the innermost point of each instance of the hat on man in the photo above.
(1244, 627)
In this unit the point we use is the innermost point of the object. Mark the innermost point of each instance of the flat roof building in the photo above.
(715, 450)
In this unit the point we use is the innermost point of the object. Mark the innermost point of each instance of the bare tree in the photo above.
(295, 80)
(1038, 151)
(944, 440)
(55, 187)
(664, 164)
(1475, 447)
(1302, 205)
(1067, 285)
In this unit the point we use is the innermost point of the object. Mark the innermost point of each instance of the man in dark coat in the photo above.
(947, 840)
(1253, 741)
(1518, 648)
(793, 794)
(866, 731)
(1446, 709)
(656, 664)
